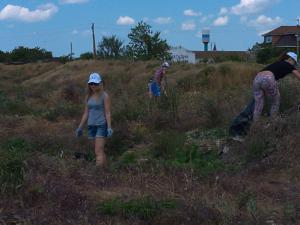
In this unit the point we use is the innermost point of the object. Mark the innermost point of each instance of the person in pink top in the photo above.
(156, 85)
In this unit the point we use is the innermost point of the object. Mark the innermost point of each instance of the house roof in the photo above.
(283, 30)
(286, 41)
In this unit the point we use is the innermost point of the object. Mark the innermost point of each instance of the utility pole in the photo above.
(71, 54)
(94, 42)
(297, 36)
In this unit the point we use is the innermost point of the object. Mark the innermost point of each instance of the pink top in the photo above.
(158, 75)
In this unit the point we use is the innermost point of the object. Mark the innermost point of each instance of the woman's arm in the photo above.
(296, 73)
(107, 110)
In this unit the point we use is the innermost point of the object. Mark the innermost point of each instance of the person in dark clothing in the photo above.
(240, 126)
(265, 83)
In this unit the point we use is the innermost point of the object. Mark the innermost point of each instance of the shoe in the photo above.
(238, 138)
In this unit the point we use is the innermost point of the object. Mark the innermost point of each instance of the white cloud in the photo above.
(163, 20)
(263, 21)
(189, 25)
(223, 11)
(251, 6)
(190, 12)
(11, 26)
(125, 20)
(145, 19)
(75, 32)
(243, 19)
(86, 33)
(73, 1)
(221, 21)
(166, 32)
(15, 12)
(199, 34)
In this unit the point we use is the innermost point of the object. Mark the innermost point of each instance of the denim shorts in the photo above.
(155, 89)
(97, 131)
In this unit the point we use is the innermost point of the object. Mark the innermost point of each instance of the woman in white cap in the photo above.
(98, 117)
(265, 83)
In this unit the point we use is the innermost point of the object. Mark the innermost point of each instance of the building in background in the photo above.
(220, 56)
(180, 54)
(283, 37)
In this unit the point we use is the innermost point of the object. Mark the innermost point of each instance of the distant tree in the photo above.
(110, 47)
(64, 58)
(24, 54)
(145, 45)
(87, 55)
(4, 56)
(266, 53)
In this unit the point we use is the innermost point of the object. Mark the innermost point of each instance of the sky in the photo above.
(234, 25)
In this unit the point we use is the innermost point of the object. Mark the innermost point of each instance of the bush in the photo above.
(12, 164)
(24, 54)
(211, 110)
(175, 151)
(16, 106)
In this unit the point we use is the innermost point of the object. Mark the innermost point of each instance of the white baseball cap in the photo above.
(166, 64)
(95, 78)
(293, 56)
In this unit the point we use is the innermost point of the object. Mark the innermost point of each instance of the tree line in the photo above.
(144, 44)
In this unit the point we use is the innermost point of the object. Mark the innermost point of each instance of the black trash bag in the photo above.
(241, 124)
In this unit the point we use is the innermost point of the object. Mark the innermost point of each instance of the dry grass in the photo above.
(60, 190)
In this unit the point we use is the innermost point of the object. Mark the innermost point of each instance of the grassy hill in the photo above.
(170, 161)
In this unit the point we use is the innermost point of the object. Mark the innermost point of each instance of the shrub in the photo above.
(210, 109)
(173, 149)
(12, 166)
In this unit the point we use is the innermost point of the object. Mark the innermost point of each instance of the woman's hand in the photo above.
(109, 132)
(78, 132)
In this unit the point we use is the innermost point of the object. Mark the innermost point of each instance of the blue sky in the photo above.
(54, 24)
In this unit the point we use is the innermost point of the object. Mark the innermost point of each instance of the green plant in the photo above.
(12, 166)
(62, 109)
(289, 94)
(142, 208)
(290, 213)
(211, 110)
(172, 148)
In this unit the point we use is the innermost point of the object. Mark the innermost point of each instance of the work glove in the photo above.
(109, 132)
(78, 132)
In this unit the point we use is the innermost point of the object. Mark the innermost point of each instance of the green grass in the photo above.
(142, 208)
(13, 154)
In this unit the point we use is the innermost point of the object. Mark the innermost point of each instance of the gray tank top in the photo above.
(96, 111)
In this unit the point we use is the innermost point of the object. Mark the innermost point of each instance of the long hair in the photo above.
(283, 56)
(90, 92)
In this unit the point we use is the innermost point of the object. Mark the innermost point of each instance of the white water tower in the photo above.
(205, 38)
